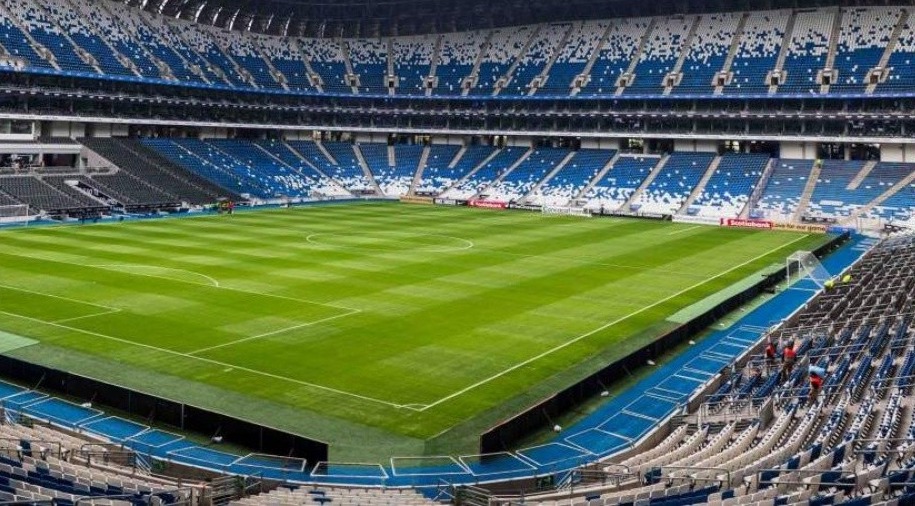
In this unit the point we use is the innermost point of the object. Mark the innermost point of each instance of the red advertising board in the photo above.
(488, 204)
(741, 223)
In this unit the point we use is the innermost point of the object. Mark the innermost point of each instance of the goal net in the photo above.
(16, 213)
(805, 265)
(565, 211)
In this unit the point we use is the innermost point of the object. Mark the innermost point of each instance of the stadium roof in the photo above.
(372, 18)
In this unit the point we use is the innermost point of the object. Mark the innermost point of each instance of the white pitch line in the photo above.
(134, 266)
(214, 362)
(88, 316)
(33, 292)
(436, 249)
(604, 327)
(272, 333)
(687, 229)
(176, 280)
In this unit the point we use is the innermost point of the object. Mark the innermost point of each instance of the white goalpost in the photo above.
(548, 210)
(805, 265)
(15, 214)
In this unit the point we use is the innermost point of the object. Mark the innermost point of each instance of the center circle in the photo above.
(390, 241)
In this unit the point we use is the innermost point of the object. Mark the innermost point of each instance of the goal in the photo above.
(566, 211)
(13, 214)
(805, 265)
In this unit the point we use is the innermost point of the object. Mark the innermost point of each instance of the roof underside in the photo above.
(373, 18)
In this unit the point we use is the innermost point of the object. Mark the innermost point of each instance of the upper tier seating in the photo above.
(369, 58)
(285, 57)
(615, 54)
(661, 54)
(807, 51)
(757, 52)
(34, 18)
(901, 64)
(204, 43)
(583, 40)
(123, 37)
(505, 45)
(111, 38)
(707, 52)
(14, 43)
(458, 54)
(534, 61)
(412, 59)
(866, 31)
(242, 50)
(146, 35)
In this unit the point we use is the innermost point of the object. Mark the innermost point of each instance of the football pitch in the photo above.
(380, 328)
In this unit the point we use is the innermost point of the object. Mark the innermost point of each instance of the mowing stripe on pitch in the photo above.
(606, 326)
(216, 362)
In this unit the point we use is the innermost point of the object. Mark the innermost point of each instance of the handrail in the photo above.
(693, 479)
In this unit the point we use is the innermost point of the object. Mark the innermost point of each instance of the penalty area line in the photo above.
(218, 363)
(605, 326)
(273, 332)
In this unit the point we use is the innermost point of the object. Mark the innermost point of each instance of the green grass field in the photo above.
(380, 328)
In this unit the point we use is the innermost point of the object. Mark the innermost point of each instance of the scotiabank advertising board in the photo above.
(741, 223)
(488, 204)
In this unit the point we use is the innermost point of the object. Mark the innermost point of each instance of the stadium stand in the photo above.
(782, 195)
(505, 45)
(572, 178)
(749, 52)
(484, 175)
(621, 44)
(524, 177)
(573, 57)
(619, 184)
(758, 52)
(807, 52)
(449, 164)
(412, 61)
(665, 44)
(728, 190)
(670, 187)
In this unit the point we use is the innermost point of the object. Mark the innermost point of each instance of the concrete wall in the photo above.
(897, 153)
(65, 129)
(696, 145)
(799, 150)
(214, 133)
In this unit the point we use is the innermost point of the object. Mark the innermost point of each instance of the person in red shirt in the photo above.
(789, 356)
(816, 383)
(770, 356)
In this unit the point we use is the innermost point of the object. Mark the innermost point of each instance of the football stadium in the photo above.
(418, 252)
